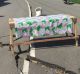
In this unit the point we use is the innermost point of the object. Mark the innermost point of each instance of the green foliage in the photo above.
(76, 1)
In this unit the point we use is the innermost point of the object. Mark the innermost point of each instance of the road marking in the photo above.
(25, 67)
(32, 52)
(29, 8)
(26, 63)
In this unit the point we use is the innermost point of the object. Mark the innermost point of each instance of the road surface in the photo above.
(65, 56)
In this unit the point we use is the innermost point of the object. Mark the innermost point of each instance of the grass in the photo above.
(76, 1)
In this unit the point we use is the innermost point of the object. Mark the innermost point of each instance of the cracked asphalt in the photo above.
(62, 53)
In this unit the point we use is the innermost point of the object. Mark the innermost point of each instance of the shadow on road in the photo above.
(70, 72)
(64, 43)
(1, 16)
(4, 2)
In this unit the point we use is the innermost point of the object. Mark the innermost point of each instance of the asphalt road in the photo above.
(65, 55)
(8, 9)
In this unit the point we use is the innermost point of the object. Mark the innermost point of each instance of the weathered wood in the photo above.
(44, 40)
(75, 30)
(76, 39)
(11, 37)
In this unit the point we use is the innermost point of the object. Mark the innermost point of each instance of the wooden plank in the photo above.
(44, 40)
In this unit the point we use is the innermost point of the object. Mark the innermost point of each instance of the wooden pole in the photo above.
(75, 30)
(11, 37)
(76, 39)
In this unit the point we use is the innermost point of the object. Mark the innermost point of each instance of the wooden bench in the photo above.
(13, 44)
